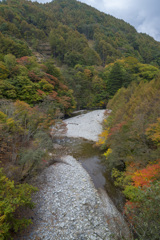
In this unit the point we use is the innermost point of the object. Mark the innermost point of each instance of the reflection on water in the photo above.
(91, 159)
(95, 170)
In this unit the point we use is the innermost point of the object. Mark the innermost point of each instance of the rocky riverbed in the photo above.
(67, 204)
(87, 126)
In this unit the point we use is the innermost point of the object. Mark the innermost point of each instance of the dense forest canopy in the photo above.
(76, 26)
(73, 33)
(63, 55)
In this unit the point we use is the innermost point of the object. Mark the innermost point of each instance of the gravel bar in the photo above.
(68, 206)
(87, 125)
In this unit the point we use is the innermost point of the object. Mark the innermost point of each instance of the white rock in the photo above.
(87, 126)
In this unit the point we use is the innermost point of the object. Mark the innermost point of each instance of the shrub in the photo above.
(12, 197)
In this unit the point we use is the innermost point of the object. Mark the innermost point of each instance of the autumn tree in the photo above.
(142, 208)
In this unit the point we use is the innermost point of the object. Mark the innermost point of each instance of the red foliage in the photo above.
(147, 175)
(33, 77)
(130, 205)
(129, 209)
(116, 128)
(23, 60)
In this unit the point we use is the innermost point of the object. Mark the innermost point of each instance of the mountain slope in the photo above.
(82, 41)
(74, 23)
(113, 38)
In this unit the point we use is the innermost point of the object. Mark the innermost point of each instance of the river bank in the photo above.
(68, 205)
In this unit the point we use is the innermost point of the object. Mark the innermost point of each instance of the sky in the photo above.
(144, 15)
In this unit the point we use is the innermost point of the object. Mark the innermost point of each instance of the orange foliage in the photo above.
(131, 168)
(147, 175)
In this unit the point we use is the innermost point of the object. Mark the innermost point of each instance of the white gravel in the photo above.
(68, 206)
(87, 125)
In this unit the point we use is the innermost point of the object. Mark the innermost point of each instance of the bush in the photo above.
(143, 210)
(11, 198)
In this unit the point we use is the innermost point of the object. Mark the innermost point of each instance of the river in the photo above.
(73, 200)
(92, 160)
(79, 142)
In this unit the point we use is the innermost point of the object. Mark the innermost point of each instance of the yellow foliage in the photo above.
(103, 137)
(10, 122)
(105, 121)
(153, 131)
(108, 152)
(121, 178)
(3, 117)
(88, 73)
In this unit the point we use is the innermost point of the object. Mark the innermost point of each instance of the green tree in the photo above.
(91, 57)
(57, 43)
(116, 79)
(51, 69)
(12, 197)
(73, 58)
(10, 61)
(3, 71)
(143, 210)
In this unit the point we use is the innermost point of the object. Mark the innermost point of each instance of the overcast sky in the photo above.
(144, 15)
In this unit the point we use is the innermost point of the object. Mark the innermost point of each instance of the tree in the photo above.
(91, 57)
(153, 132)
(143, 208)
(57, 43)
(3, 71)
(116, 79)
(10, 61)
(73, 58)
(51, 69)
(12, 197)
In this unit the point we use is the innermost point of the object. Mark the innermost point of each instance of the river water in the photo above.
(90, 156)
(92, 160)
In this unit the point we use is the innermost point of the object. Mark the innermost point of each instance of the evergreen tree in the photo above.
(115, 79)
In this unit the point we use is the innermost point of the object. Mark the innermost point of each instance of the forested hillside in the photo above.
(74, 29)
(77, 37)
(66, 55)
(131, 140)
